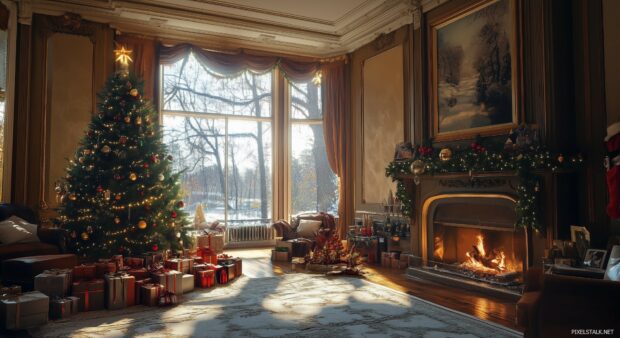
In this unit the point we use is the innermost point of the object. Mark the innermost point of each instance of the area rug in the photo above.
(294, 305)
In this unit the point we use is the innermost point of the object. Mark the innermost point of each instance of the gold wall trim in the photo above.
(429, 201)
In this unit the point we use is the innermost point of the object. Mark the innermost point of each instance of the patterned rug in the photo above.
(299, 305)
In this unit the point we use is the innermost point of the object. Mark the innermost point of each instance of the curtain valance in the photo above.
(233, 63)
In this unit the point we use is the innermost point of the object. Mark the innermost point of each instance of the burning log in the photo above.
(480, 261)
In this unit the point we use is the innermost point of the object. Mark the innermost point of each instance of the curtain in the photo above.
(234, 63)
(338, 135)
(145, 64)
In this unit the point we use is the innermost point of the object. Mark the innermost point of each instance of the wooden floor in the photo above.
(257, 264)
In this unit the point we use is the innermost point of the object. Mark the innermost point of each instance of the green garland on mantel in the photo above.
(477, 159)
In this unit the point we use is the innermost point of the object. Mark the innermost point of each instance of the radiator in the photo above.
(249, 233)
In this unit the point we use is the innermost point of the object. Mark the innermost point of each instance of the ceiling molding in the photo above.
(235, 24)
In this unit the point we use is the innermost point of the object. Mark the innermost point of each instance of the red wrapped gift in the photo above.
(198, 260)
(221, 276)
(152, 258)
(184, 265)
(238, 266)
(139, 273)
(204, 278)
(90, 294)
(208, 256)
(118, 259)
(200, 267)
(138, 293)
(134, 262)
(230, 271)
(84, 271)
(150, 293)
(102, 268)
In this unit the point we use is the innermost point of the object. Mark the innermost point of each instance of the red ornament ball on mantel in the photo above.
(173, 214)
(181, 204)
(155, 247)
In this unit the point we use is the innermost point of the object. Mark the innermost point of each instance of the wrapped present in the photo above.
(224, 259)
(90, 293)
(84, 272)
(61, 308)
(23, 311)
(53, 282)
(75, 304)
(120, 290)
(211, 241)
(221, 275)
(204, 278)
(198, 260)
(118, 260)
(150, 293)
(10, 290)
(238, 266)
(152, 258)
(188, 283)
(103, 267)
(200, 267)
(134, 262)
(230, 271)
(168, 298)
(170, 279)
(138, 292)
(139, 273)
(279, 255)
(208, 256)
(184, 265)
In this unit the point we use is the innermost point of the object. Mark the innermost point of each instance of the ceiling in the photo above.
(306, 27)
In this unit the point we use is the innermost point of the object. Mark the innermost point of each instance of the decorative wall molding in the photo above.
(224, 24)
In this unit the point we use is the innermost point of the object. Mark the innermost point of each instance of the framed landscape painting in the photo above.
(473, 71)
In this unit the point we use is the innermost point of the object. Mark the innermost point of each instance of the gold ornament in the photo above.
(117, 220)
(81, 159)
(138, 120)
(133, 92)
(127, 119)
(133, 176)
(445, 154)
(85, 236)
(161, 177)
(142, 224)
(106, 194)
(417, 167)
(117, 197)
(106, 149)
(72, 197)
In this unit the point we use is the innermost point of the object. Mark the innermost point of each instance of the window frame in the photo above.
(226, 118)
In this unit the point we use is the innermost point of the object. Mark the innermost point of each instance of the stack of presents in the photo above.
(152, 279)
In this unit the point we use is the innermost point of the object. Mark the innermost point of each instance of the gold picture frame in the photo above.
(480, 91)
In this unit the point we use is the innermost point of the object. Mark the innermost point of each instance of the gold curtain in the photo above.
(145, 63)
(338, 135)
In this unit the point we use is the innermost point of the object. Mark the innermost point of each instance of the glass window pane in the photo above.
(306, 102)
(197, 146)
(314, 186)
(190, 86)
(249, 172)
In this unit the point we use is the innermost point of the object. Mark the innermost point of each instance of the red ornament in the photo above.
(155, 247)
(122, 139)
(154, 225)
(181, 204)
(173, 214)
(145, 165)
(154, 159)
(99, 189)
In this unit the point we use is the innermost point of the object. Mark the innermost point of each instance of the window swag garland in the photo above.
(477, 158)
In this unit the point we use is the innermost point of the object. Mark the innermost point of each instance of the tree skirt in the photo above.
(303, 305)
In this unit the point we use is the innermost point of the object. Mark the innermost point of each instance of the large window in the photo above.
(219, 130)
(314, 186)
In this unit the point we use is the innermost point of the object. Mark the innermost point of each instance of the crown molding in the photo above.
(223, 25)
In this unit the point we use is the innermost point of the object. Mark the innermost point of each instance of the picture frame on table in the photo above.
(613, 265)
(595, 258)
(474, 69)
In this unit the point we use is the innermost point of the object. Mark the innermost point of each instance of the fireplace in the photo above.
(470, 239)
(476, 239)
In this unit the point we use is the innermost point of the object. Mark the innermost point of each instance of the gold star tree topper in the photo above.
(123, 56)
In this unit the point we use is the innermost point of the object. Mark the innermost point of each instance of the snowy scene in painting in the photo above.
(474, 70)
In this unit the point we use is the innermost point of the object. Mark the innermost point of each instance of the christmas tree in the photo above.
(119, 195)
